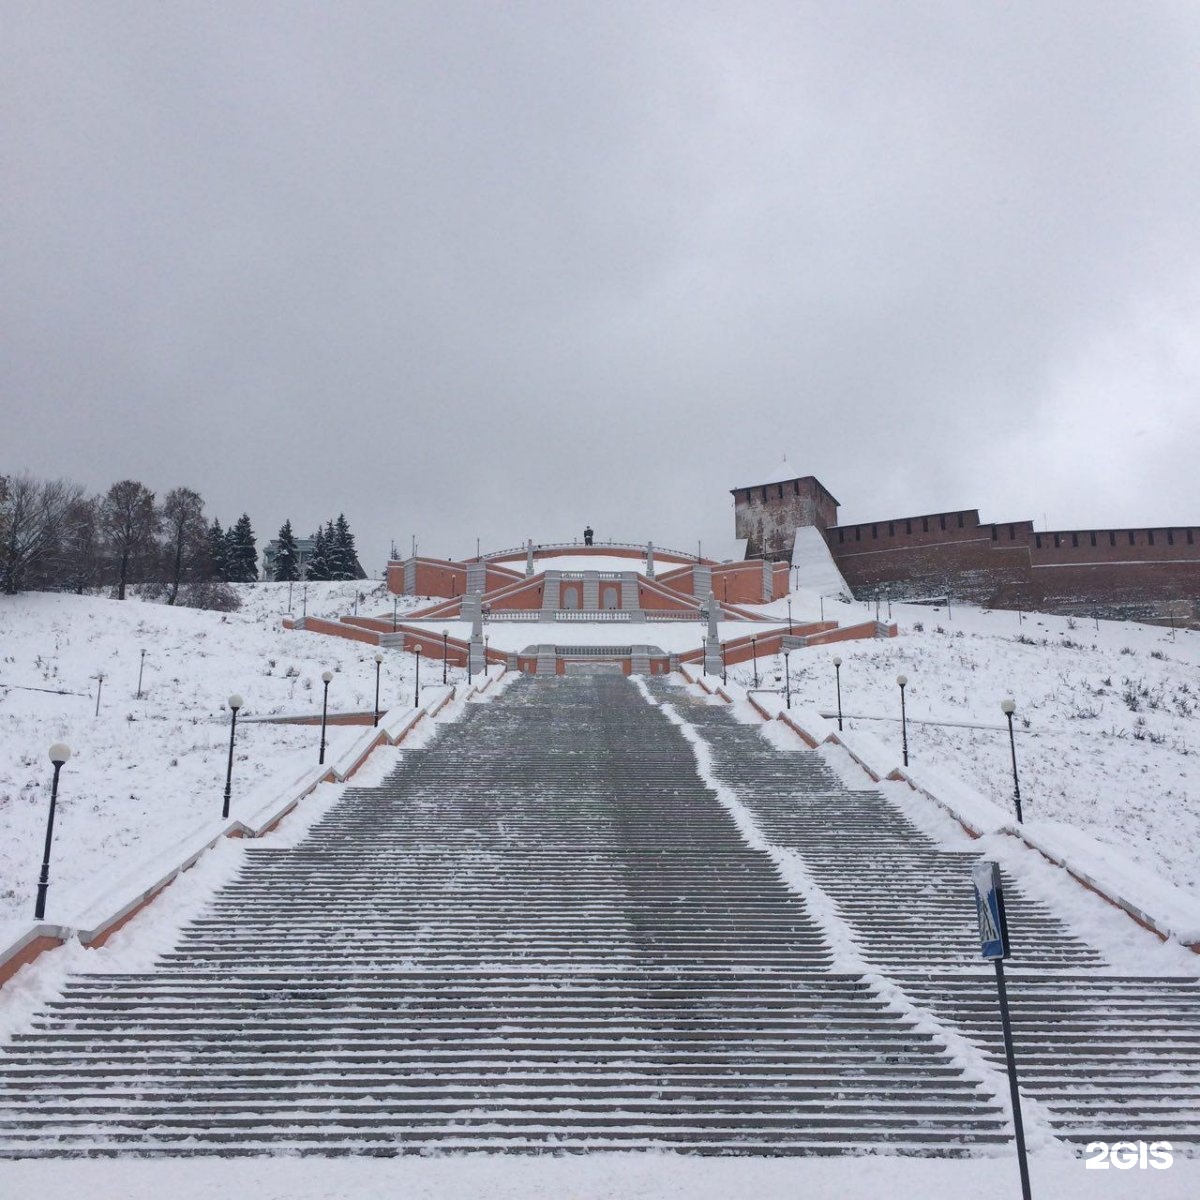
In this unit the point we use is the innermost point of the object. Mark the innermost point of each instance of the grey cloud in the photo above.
(498, 270)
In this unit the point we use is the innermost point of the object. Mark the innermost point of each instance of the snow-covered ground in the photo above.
(1107, 716)
(1107, 743)
(1108, 719)
(145, 772)
(595, 1177)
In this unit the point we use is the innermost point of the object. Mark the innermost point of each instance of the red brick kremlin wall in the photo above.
(1119, 572)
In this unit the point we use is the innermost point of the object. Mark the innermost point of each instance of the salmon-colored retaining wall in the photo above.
(26, 955)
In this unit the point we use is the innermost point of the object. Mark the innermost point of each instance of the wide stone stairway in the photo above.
(1109, 1056)
(542, 932)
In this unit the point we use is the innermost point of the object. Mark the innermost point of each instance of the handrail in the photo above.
(543, 546)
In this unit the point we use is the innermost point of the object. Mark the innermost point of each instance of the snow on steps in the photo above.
(264, 808)
(1166, 910)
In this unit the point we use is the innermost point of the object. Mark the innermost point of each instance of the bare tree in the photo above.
(185, 539)
(81, 549)
(129, 521)
(32, 517)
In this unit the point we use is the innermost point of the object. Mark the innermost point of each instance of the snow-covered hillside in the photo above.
(144, 772)
(1107, 717)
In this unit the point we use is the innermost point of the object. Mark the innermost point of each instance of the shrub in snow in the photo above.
(210, 594)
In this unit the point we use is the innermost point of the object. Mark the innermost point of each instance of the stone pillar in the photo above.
(472, 608)
(478, 659)
(529, 558)
(712, 643)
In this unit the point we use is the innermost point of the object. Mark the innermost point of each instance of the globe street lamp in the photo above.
(789, 604)
(378, 664)
(754, 653)
(395, 605)
(59, 753)
(417, 696)
(235, 702)
(787, 677)
(837, 674)
(902, 681)
(445, 652)
(724, 665)
(1008, 707)
(326, 678)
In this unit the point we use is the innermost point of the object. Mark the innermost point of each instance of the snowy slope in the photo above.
(813, 565)
(145, 772)
(1107, 719)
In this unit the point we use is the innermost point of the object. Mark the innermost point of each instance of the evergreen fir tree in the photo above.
(287, 556)
(344, 557)
(318, 565)
(243, 555)
(218, 557)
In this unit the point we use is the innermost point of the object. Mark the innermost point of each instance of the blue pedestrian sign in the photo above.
(989, 907)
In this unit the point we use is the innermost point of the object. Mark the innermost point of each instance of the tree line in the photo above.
(53, 535)
(333, 554)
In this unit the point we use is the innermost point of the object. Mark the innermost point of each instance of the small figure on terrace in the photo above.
(588, 534)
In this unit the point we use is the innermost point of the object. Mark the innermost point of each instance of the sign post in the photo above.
(993, 942)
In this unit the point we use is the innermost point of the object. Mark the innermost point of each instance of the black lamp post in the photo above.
(754, 654)
(304, 601)
(395, 602)
(326, 679)
(787, 677)
(445, 652)
(417, 696)
(789, 615)
(235, 702)
(378, 664)
(59, 753)
(1008, 707)
(141, 668)
(724, 665)
(99, 689)
(902, 681)
(837, 674)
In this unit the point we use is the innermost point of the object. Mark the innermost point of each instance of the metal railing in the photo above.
(597, 614)
(544, 546)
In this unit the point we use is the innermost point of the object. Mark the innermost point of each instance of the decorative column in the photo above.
(712, 643)
(475, 649)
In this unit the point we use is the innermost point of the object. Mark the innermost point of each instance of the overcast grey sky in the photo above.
(502, 269)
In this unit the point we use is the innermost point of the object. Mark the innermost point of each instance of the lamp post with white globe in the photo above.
(235, 702)
(378, 664)
(59, 753)
(837, 675)
(326, 679)
(902, 682)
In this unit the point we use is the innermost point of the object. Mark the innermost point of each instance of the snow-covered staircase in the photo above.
(1111, 1057)
(543, 932)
